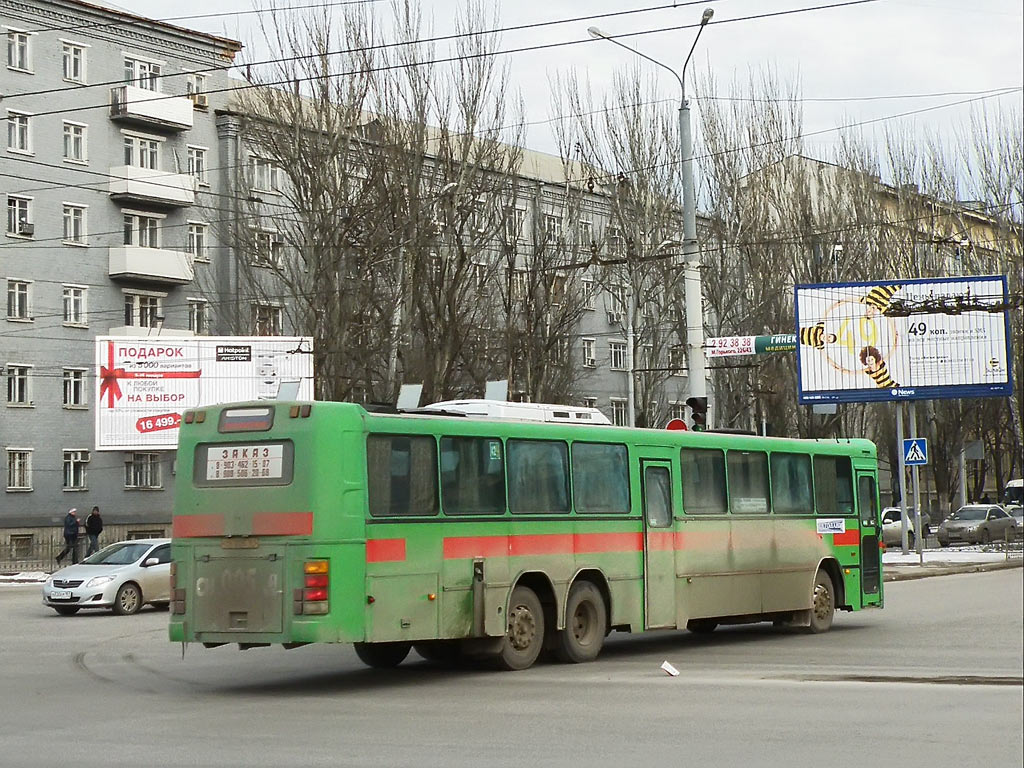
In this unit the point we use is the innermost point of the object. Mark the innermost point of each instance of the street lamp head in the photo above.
(708, 13)
(596, 33)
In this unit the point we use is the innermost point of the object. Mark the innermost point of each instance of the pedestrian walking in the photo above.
(70, 537)
(93, 529)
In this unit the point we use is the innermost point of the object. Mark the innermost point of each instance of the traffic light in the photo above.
(699, 410)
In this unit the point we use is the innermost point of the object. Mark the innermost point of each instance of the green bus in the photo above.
(459, 536)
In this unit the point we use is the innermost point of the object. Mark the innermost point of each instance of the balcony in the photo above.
(154, 265)
(131, 184)
(131, 104)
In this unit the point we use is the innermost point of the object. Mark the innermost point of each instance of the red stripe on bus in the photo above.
(850, 538)
(385, 550)
(194, 526)
(460, 547)
(282, 524)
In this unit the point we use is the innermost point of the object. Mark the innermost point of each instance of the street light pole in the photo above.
(696, 371)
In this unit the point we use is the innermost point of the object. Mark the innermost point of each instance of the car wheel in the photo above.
(943, 543)
(1011, 534)
(986, 537)
(128, 600)
(911, 539)
(66, 610)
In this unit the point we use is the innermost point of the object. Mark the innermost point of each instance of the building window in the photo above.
(617, 355)
(142, 310)
(615, 243)
(141, 231)
(589, 353)
(589, 292)
(74, 305)
(267, 249)
(676, 410)
(142, 470)
(19, 216)
(19, 469)
(74, 224)
(18, 300)
(267, 319)
(197, 241)
(585, 235)
(144, 74)
(677, 360)
(74, 387)
(17, 50)
(520, 284)
(74, 62)
(263, 175)
(18, 385)
(198, 320)
(619, 412)
(552, 227)
(19, 135)
(195, 89)
(141, 152)
(589, 402)
(197, 164)
(515, 218)
(74, 142)
(74, 470)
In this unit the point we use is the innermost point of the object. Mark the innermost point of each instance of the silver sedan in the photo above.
(122, 577)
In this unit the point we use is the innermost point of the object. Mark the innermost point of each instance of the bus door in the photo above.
(870, 570)
(659, 550)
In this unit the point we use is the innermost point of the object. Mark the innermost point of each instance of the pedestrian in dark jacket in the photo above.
(70, 537)
(93, 529)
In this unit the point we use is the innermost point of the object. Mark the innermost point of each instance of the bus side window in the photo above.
(833, 485)
(703, 481)
(472, 476)
(538, 476)
(600, 478)
(748, 482)
(401, 475)
(792, 491)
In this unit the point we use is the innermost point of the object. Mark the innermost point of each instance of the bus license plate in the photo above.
(60, 594)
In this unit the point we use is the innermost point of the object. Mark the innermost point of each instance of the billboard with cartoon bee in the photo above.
(934, 338)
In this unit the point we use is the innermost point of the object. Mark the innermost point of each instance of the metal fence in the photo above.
(32, 554)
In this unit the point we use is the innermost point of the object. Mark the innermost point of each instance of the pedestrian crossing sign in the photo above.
(915, 451)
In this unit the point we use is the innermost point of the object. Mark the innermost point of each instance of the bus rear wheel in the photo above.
(586, 624)
(823, 603)
(382, 655)
(525, 636)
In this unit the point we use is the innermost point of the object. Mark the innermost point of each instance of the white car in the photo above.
(892, 530)
(122, 577)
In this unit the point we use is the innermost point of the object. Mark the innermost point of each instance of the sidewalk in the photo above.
(940, 562)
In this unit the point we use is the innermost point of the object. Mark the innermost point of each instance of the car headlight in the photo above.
(99, 581)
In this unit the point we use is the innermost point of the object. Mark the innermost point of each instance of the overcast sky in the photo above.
(882, 48)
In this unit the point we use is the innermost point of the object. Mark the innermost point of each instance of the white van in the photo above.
(498, 409)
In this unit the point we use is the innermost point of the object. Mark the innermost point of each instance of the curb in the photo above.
(924, 572)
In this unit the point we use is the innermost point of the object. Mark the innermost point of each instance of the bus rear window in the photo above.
(252, 463)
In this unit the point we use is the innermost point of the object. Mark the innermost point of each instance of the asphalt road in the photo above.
(934, 679)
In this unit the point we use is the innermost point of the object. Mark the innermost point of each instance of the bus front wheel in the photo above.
(823, 603)
(382, 655)
(525, 636)
(586, 624)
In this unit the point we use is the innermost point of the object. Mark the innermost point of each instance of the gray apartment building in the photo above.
(109, 176)
(126, 176)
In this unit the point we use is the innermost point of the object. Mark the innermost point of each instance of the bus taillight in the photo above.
(312, 599)
(177, 595)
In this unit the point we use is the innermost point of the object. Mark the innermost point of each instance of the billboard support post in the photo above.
(919, 531)
(904, 538)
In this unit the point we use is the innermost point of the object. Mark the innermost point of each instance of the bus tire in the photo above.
(525, 636)
(586, 623)
(702, 626)
(382, 655)
(823, 603)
